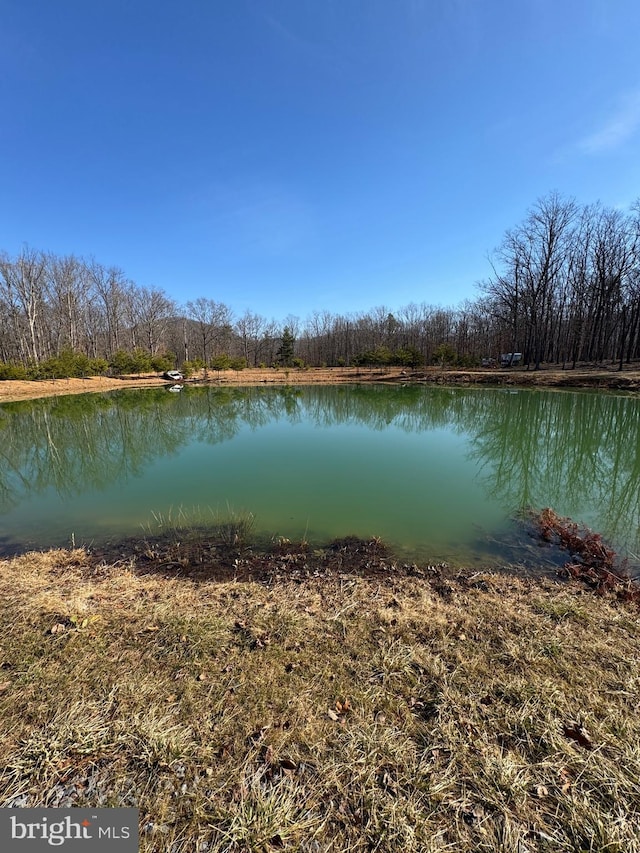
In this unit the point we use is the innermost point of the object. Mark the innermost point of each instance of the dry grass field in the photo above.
(329, 701)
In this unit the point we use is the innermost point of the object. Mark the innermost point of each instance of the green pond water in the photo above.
(438, 473)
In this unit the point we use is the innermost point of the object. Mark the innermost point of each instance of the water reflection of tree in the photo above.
(531, 448)
(89, 441)
(378, 407)
(561, 449)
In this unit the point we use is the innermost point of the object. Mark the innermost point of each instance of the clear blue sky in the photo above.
(292, 155)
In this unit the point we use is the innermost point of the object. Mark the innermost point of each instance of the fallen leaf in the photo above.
(565, 780)
(472, 814)
(58, 628)
(332, 714)
(578, 733)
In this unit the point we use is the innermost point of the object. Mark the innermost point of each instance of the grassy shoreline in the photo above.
(602, 377)
(366, 706)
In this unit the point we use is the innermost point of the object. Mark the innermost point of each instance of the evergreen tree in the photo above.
(285, 350)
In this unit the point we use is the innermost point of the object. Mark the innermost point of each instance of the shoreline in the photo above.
(594, 378)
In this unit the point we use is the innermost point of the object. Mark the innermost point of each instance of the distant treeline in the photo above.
(565, 288)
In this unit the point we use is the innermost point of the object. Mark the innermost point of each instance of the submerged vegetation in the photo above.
(330, 700)
(592, 560)
(231, 528)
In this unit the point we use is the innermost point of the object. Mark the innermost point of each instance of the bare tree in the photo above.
(24, 286)
(153, 312)
(249, 328)
(533, 257)
(109, 286)
(68, 292)
(210, 319)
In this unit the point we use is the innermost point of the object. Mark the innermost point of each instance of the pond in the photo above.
(438, 473)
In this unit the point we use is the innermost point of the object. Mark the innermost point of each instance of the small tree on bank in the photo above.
(285, 350)
(444, 354)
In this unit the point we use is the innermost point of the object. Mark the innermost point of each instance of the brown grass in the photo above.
(599, 376)
(337, 710)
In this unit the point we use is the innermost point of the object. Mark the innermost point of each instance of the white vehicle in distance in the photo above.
(510, 359)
